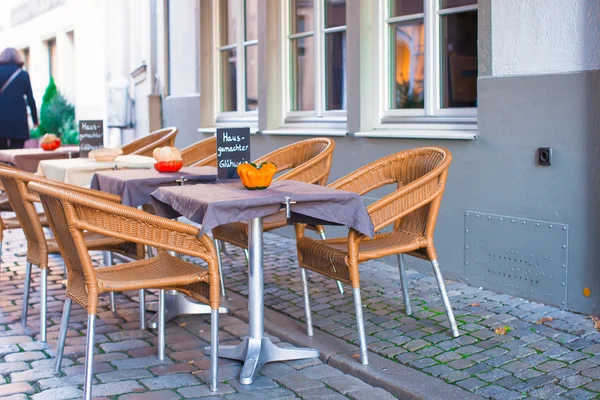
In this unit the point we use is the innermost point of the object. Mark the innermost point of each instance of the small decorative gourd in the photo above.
(50, 142)
(256, 177)
(168, 159)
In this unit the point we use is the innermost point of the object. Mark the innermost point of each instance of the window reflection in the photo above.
(407, 65)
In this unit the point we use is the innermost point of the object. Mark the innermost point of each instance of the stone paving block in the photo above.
(550, 366)
(321, 393)
(14, 388)
(345, 383)
(204, 391)
(69, 392)
(271, 394)
(499, 393)
(116, 388)
(298, 381)
(579, 394)
(542, 380)
(438, 370)
(143, 362)
(24, 356)
(320, 372)
(19, 396)
(370, 394)
(471, 384)
(31, 375)
(157, 395)
(550, 391)
(562, 373)
(123, 375)
(261, 382)
(123, 345)
(8, 367)
(574, 381)
(514, 384)
(493, 375)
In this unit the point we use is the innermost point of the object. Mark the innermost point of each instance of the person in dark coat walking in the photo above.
(14, 85)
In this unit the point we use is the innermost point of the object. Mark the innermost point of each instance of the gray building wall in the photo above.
(534, 91)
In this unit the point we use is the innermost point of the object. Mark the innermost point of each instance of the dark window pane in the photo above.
(302, 18)
(457, 3)
(335, 13)
(228, 80)
(405, 7)
(335, 70)
(459, 60)
(227, 28)
(407, 68)
(251, 14)
(252, 78)
(303, 74)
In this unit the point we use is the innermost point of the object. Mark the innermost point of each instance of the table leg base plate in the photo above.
(179, 304)
(257, 352)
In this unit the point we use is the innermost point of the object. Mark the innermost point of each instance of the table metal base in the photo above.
(257, 352)
(179, 304)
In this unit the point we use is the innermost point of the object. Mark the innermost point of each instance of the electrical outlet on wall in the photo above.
(545, 156)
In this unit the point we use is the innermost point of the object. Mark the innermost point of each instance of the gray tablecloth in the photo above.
(28, 159)
(135, 186)
(219, 204)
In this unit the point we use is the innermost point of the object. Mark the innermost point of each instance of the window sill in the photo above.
(306, 132)
(419, 134)
(213, 129)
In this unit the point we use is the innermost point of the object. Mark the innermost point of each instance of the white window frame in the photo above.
(319, 114)
(432, 111)
(241, 115)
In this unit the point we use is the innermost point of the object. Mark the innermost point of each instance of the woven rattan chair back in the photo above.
(306, 161)
(73, 213)
(146, 145)
(196, 154)
(22, 204)
(420, 178)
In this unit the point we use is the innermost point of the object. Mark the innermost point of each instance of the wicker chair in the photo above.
(146, 145)
(306, 161)
(72, 215)
(203, 153)
(39, 247)
(411, 210)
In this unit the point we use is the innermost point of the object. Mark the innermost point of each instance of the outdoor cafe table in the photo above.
(28, 159)
(135, 187)
(214, 205)
(80, 171)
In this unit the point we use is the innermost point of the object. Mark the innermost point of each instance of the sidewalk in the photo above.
(126, 366)
(411, 357)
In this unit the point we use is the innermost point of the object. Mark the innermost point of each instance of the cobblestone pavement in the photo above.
(126, 366)
(546, 353)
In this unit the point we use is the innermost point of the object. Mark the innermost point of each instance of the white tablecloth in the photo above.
(80, 171)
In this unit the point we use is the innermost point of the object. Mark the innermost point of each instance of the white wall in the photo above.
(183, 48)
(537, 37)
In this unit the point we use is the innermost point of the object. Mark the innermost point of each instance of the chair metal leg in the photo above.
(43, 304)
(404, 283)
(161, 324)
(62, 336)
(214, 348)
(307, 312)
(89, 357)
(26, 289)
(219, 263)
(447, 305)
(339, 284)
(108, 261)
(142, 295)
(364, 358)
(247, 256)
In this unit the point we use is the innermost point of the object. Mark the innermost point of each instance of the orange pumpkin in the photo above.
(256, 177)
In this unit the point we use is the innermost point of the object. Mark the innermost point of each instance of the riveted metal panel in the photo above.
(517, 256)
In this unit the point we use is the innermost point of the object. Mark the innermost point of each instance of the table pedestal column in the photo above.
(257, 349)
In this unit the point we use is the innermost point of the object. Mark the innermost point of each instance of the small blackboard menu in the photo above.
(91, 136)
(233, 148)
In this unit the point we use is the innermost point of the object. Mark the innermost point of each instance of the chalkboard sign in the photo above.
(91, 136)
(233, 148)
